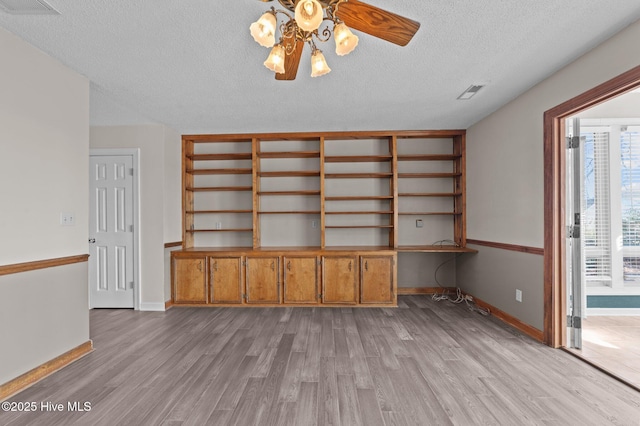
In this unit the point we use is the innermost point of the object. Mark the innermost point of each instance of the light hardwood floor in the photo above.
(425, 363)
(613, 343)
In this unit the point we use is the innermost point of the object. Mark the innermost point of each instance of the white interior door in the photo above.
(111, 261)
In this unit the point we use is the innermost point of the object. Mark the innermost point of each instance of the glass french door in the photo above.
(574, 279)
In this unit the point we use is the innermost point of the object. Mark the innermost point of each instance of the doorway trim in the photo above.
(135, 154)
(554, 332)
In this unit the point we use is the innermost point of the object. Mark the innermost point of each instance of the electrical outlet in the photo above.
(218, 225)
(518, 295)
(67, 219)
(314, 224)
(419, 223)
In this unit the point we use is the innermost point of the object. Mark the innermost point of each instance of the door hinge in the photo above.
(130, 228)
(131, 172)
(573, 231)
(574, 322)
(573, 142)
(131, 285)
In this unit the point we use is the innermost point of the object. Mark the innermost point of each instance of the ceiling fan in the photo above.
(302, 21)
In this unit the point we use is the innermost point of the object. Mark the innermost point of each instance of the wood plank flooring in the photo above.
(613, 343)
(424, 363)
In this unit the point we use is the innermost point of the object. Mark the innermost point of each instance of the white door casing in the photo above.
(113, 261)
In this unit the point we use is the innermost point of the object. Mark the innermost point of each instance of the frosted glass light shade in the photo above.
(346, 41)
(309, 14)
(319, 64)
(275, 61)
(264, 30)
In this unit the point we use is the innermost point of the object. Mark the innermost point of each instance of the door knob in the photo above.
(92, 240)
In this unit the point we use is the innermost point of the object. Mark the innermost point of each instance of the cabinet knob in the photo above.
(289, 265)
(215, 266)
(200, 266)
(273, 266)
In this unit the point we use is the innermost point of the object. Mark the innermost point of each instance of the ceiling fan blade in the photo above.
(377, 22)
(291, 61)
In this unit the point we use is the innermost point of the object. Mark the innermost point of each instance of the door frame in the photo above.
(555, 317)
(135, 154)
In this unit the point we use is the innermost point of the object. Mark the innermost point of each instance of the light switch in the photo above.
(67, 219)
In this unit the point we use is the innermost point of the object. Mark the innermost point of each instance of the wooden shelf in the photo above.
(219, 188)
(358, 158)
(361, 212)
(357, 226)
(357, 175)
(219, 171)
(360, 198)
(424, 157)
(290, 173)
(428, 175)
(290, 154)
(220, 230)
(429, 194)
(427, 213)
(228, 156)
(292, 212)
(217, 211)
(280, 193)
(391, 166)
(435, 249)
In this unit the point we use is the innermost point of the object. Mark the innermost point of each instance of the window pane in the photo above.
(595, 220)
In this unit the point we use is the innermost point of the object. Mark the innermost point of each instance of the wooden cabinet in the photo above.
(300, 279)
(190, 280)
(377, 279)
(225, 279)
(263, 279)
(340, 279)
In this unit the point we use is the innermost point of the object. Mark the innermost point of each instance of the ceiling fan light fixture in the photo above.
(319, 65)
(263, 30)
(275, 61)
(345, 40)
(309, 14)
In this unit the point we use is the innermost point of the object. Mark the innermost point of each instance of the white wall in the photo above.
(505, 167)
(44, 133)
(172, 186)
(44, 148)
(158, 198)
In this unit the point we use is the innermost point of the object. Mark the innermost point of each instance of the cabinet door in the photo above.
(189, 281)
(300, 279)
(339, 279)
(225, 279)
(263, 280)
(376, 279)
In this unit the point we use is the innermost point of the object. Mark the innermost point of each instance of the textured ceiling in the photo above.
(193, 66)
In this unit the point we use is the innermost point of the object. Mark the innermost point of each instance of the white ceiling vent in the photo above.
(27, 7)
(467, 94)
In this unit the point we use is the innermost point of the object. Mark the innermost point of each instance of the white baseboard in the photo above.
(613, 312)
(157, 307)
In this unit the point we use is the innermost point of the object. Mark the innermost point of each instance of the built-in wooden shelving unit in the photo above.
(331, 199)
